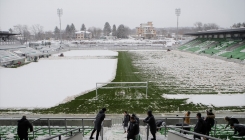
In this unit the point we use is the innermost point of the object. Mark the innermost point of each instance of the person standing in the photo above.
(187, 118)
(133, 129)
(152, 123)
(209, 121)
(126, 120)
(200, 126)
(23, 126)
(97, 123)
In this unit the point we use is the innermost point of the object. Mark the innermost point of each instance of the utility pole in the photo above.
(60, 13)
(177, 12)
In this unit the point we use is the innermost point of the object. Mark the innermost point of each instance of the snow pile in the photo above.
(49, 82)
(218, 100)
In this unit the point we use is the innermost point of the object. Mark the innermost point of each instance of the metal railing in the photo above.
(182, 126)
(65, 120)
(197, 134)
(59, 135)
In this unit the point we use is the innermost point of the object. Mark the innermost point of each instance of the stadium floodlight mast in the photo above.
(60, 13)
(177, 12)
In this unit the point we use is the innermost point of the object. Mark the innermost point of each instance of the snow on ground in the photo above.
(185, 73)
(117, 133)
(89, 53)
(216, 100)
(50, 82)
(242, 50)
(190, 71)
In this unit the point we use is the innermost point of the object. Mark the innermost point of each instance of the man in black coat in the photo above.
(133, 129)
(231, 121)
(23, 126)
(152, 123)
(209, 121)
(238, 128)
(97, 123)
(200, 126)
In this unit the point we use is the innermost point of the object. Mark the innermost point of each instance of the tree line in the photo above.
(36, 31)
(121, 32)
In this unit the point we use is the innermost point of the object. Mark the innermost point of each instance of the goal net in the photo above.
(122, 85)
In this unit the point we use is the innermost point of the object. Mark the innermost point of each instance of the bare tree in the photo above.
(37, 30)
(210, 26)
(23, 30)
(96, 32)
(49, 34)
(198, 26)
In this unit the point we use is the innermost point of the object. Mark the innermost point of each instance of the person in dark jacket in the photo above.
(152, 123)
(126, 120)
(209, 121)
(231, 121)
(23, 126)
(238, 128)
(136, 118)
(200, 126)
(133, 129)
(97, 123)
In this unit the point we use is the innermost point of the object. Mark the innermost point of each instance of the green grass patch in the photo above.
(129, 101)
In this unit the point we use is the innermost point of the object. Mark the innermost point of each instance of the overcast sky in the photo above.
(128, 12)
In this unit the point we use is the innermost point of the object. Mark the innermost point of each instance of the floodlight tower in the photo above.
(177, 12)
(60, 13)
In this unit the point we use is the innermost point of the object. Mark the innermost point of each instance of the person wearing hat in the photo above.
(152, 123)
(231, 121)
(238, 128)
(97, 123)
(23, 126)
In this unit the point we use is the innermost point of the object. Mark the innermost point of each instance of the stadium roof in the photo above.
(3, 33)
(223, 31)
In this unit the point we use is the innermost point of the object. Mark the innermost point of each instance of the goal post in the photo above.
(122, 85)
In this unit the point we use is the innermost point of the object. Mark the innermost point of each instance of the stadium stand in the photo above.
(225, 43)
(45, 128)
(30, 52)
(9, 58)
